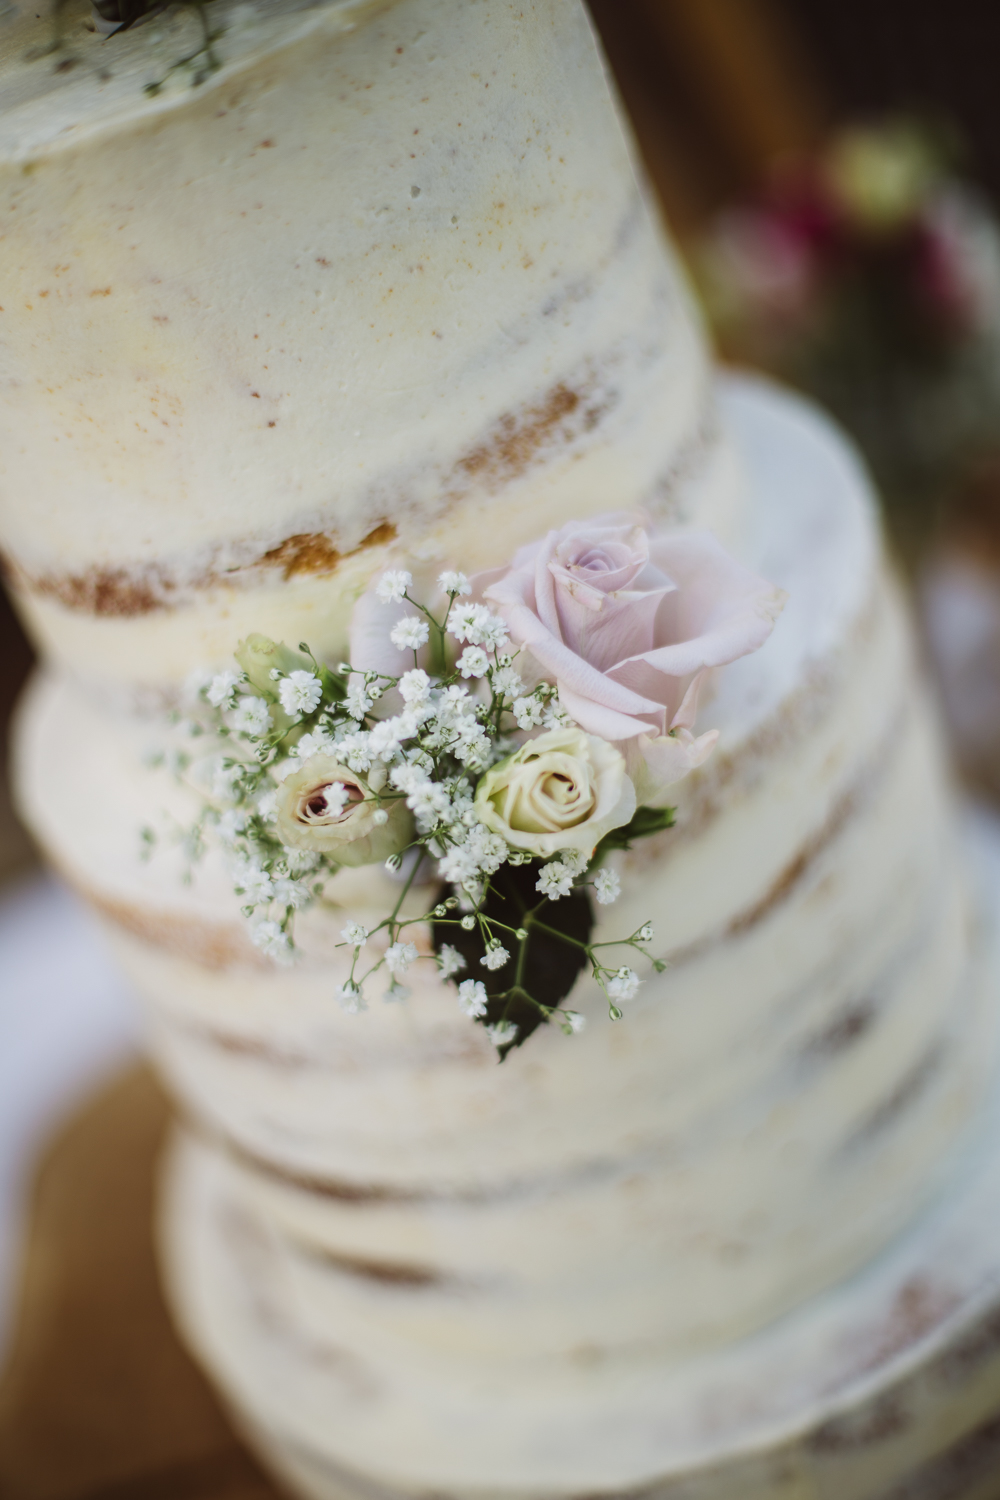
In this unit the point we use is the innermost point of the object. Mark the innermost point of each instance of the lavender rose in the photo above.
(323, 806)
(627, 625)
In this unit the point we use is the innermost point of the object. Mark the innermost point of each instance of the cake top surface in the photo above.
(61, 80)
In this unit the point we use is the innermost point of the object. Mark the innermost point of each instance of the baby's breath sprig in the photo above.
(313, 767)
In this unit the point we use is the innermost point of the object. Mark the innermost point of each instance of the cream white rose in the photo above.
(314, 814)
(564, 790)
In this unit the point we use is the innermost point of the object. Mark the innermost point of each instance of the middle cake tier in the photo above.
(769, 1113)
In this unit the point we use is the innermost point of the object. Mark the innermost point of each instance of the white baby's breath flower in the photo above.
(607, 886)
(575, 860)
(392, 586)
(450, 961)
(414, 686)
(380, 817)
(222, 690)
(555, 880)
(269, 938)
(252, 717)
(316, 742)
(473, 745)
(467, 622)
(349, 997)
(479, 852)
(506, 681)
(623, 985)
(502, 1034)
(430, 803)
(253, 883)
(300, 693)
(451, 582)
(493, 633)
(473, 662)
(336, 798)
(231, 825)
(356, 749)
(293, 893)
(300, 861)
(226, 780)
(472, 998)
(495, 957)
(409, 777)
(396, 991)
(267, 804)
(355, 934)
(357, 701)
(410, 633)
(399, 957)
(384, 740)
(529, 712)
(574, 1020)
(645, 933)
(195, 686)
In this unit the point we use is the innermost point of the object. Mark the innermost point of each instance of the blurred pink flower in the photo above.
(763, 263)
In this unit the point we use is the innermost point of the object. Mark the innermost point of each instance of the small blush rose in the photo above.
(627, 625)
(312, 814)
(563, 790)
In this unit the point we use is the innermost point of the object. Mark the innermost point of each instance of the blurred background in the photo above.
(831, 170)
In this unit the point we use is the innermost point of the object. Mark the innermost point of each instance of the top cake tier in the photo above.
(384, 284)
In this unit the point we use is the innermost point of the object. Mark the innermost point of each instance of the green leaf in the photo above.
(551, 966)
(645, 822)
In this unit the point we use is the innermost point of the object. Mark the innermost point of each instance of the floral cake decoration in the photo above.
(490, 746)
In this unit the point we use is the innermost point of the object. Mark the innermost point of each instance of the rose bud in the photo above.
(324, 806)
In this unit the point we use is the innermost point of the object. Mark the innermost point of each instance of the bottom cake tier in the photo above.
(886, 1387)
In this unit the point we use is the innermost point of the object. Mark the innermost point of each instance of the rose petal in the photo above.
(656, 763)
(565, 666)
(687, 713)
(624, 626)
(370, 647)
(601, 765)
(598, 718)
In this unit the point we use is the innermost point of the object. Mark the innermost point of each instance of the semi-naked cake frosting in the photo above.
(385, 290)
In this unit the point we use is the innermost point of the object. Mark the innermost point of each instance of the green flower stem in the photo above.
(406, 888)
(552, 932)
(438, 654)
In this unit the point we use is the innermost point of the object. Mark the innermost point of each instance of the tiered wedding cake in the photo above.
(383, 291)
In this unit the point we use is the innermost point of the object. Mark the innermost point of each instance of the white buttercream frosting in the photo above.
(768, 1115)
(393, 274)
(386, 288)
